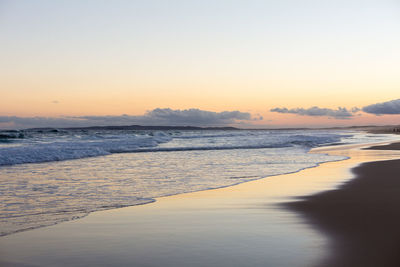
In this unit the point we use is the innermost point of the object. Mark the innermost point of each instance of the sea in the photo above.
(48, 176)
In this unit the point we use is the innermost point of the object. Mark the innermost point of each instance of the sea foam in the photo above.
(57, 189)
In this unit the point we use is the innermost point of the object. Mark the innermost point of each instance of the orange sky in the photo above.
(59, 60)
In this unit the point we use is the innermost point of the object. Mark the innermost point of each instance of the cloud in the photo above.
(389, 107)
(167, 116)
(339, 113)
(158, 116)
(197, 116)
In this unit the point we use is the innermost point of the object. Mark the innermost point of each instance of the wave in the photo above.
(55, 145)
(76, 147)
(71, 191)
(7, 135)
(175, 149)
(224, 134)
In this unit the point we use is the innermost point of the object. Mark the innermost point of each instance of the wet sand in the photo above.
(243, 225)
(361, 217)
(393, 146)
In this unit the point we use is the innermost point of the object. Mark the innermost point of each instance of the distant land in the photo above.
(369, 128)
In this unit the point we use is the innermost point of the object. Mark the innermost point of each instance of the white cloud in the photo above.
(389, 107)
(158, 116)
(339, 113)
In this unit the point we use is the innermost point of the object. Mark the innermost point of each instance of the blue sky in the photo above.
(100, 58)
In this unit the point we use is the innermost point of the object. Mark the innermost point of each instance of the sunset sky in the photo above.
(162, 62)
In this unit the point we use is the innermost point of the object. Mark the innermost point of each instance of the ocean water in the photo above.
(50, 176)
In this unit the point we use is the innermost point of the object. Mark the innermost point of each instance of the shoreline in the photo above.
(155, 199)
(232, 226)
(361, 217)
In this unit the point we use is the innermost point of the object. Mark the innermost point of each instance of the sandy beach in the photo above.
(243, 225)
(199, 133)
(361, 216)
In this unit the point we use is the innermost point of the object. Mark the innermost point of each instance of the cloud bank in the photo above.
(158, 116)
(389, 107)
(340, 113)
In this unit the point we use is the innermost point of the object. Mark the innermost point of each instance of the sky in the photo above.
(246, 63)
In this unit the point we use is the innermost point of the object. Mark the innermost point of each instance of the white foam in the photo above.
(50, 148)
(35, 195)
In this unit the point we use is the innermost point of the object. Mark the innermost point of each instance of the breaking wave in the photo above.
(56, 145)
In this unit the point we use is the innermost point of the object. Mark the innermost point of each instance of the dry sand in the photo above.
(362, 217)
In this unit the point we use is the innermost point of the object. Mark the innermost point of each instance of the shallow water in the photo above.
(41, 194)
(241, 225)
